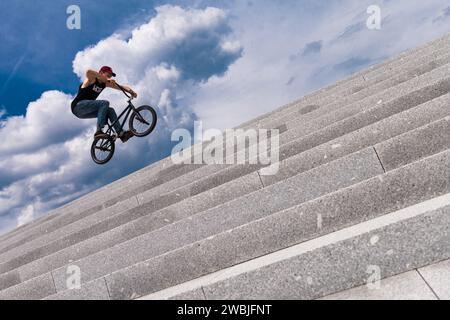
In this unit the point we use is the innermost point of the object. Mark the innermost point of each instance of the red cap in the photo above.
(107, 70)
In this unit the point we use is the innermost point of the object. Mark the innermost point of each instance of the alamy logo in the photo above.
(74, 277)
(234, 146)
(74, 20)
(374, 280)
(374, 20)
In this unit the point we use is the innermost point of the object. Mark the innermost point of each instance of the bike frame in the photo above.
(105, 144)
(127, 110)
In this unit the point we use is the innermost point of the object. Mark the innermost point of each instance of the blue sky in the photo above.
(222, 62)
(40, 49)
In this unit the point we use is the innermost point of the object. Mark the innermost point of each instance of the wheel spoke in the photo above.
(143, 121)
(103, 149)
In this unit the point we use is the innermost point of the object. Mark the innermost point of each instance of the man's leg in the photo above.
(86, 109)
(90, 109)
(123, 135)
(103, 109)
(112, 116)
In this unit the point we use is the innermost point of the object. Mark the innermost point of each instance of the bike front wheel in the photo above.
(102, 150)
(143, 121)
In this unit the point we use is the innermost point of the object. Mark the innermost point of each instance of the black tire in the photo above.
(102, 150)
(144, 123)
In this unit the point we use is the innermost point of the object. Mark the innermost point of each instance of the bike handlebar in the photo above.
(124, 92)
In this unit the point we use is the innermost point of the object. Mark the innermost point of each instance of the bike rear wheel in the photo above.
(102, 150)
(143, 122)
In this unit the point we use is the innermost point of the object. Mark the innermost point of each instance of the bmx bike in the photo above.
(141, 123)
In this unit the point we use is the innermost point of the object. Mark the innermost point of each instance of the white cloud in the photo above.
(167, 57)
(167, 73)
(176, 35)
(26, 216)
(274, 35)
(45, 158)
(48, 120)
(222, 66)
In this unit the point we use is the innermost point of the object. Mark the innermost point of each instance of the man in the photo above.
(85, 105)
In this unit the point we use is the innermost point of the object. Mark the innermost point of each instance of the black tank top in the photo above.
(91, 92)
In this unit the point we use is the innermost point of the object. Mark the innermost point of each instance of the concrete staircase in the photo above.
(363, 193)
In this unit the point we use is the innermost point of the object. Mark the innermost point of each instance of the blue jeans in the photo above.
(91, 109)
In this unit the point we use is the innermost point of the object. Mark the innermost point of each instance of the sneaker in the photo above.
(100, 134)
(125, 136)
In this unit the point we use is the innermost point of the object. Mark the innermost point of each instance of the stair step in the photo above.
(362, 187)
(385, 67)
(367, 200)
(376, 249)
(355, 79)
(437, 132)
(405, 286)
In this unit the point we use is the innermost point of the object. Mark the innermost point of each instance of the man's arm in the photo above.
(92, 75)
(112, 84)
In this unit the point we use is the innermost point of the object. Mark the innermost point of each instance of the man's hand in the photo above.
(112, 84)
(133, 94)
(130, 91)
